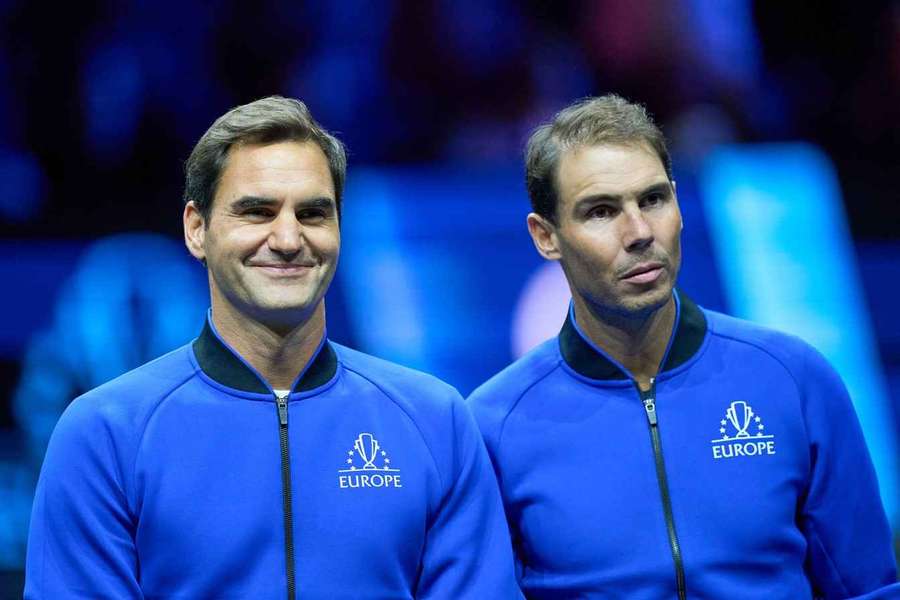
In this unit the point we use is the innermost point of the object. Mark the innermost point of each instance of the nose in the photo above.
(637, 233)
(286, 234)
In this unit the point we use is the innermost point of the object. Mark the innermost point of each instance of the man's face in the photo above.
(618, 228)
(272, 240)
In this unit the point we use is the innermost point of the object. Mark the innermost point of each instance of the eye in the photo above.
(602, 211)
(311, 214)
(257, 212)
(653, 199)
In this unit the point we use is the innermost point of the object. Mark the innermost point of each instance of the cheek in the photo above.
(240, 240)
(325, 241)
(592, 252)
(673, 223)
(673, 238)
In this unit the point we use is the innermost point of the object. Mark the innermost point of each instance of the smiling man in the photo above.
(263, 460)
(655, 449)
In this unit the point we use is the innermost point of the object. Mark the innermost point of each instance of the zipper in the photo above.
(281, 403)
(648, 398)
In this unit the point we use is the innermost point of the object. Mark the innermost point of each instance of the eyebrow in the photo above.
(663, 187)
(249, 202)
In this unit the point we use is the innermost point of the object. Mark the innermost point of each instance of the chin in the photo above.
(289, 308)
(648, 303)
(636, 306)
(285, 308)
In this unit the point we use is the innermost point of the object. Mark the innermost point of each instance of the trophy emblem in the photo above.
(739, 414)
(367, 447)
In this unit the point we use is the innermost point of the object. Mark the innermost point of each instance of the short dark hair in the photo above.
(608, 119)
(264, 121)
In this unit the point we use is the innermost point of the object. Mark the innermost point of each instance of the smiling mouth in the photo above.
(284, 269)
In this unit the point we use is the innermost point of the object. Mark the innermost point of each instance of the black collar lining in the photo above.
(224, 366)
(585, 360)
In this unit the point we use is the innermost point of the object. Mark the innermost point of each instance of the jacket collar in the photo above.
(589, 360)
(222, 364)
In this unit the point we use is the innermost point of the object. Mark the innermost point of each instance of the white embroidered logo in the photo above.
(735, 440)
(368, 466)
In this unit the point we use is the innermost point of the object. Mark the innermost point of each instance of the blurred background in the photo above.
(783, 121)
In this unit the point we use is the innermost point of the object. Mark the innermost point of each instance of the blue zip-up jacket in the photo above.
(742, 474)
(186, 478)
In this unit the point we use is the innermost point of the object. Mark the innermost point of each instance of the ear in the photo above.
(543, 234)
(194, 231)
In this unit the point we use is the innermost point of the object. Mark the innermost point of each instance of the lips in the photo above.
(284, 269)
(643, 273)
(285, 266)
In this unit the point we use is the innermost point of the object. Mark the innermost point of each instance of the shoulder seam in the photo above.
(555, 365)
(763, 349)
(408, 416)
(146, 422)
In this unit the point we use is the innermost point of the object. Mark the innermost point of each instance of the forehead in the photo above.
(608, 169)
(279, 170)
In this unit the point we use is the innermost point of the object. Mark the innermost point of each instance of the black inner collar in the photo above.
(222, 365)
(579, 354)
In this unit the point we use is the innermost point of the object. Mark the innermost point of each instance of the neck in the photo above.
(638, 343)
(277, 353)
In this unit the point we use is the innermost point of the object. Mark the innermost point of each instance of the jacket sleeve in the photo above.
(467, 550)
(81, 539)
(849, 550)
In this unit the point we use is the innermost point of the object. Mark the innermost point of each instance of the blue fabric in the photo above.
(792, 519)
(165, 484)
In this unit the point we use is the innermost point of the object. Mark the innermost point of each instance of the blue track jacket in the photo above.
(172, 481)
(742, 474)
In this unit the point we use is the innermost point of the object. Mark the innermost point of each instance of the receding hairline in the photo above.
(636, 143)
(245, 143)
(571, 149)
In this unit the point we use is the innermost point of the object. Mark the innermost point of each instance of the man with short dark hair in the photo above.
(655, 449)
(263, 460)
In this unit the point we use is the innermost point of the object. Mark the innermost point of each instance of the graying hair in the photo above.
(608, 119)
(265, 121)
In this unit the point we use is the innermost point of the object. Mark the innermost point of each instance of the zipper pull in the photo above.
(649, 398)
(282, 410)
(650, 408)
